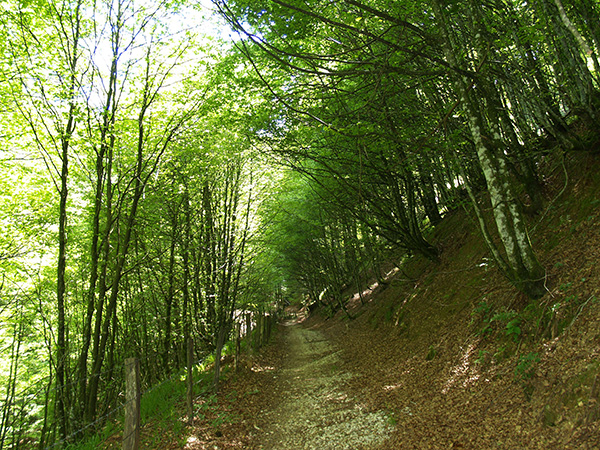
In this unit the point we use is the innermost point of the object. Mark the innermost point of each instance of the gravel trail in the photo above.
(312, 411)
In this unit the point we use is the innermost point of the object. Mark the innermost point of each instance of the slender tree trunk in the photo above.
(65, 141)
(525, 271)
(122, 252)
(45, 427)
(583, 45)
(102, 293)
(187, 304)
(428, 197)
(210, 259)
(9, 400)
(571, 67)
(142, 172)
(104, 155)
(61, 350)
(220, 341)
(170, 293)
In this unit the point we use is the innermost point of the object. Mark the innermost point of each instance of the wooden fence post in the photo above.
(256, 334)
(261, 329)
(269, 326)
(238, 341)
(264, 323)
(131, 433)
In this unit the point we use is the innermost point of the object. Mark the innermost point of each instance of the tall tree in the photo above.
(53, 126)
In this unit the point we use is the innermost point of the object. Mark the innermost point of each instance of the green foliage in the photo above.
(159, 403)
(508, 321)
(91, 443)
(222, 417)
(391, 418)
(482, 314)
(389, 313)
(513, 330)
(525, 370)
(526, 366)
(431, 353)
(248, 196)
(482, 309)
(565, 286)
(503, 316)
(207, 362)
(482, 357)
(208, 406)
(203, 378)
(501, 353)
(95, 441)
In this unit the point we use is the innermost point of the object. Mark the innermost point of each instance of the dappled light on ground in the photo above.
(464, 372)
(423, 361)
(313, 410)
(191, 441)
(367, 294)
(390, 387)
(259, 368)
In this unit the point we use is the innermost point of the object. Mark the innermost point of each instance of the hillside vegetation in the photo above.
(454, 354)
(462, 359)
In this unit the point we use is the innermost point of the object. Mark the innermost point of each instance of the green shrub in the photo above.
(159, 402)
(513, 330)
(526, 366)
(431, 353)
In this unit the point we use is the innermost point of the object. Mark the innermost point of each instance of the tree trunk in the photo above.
(170, 292)
(524, 270)
(220, 341)
(104, 156)
(428, 198)
(210, 258)
(61, 350)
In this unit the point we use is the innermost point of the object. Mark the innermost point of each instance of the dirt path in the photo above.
(312, 411)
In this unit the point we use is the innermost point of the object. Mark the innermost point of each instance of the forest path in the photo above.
(311, 410)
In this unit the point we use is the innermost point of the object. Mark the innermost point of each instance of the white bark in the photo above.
(521, 265)
(567, 22)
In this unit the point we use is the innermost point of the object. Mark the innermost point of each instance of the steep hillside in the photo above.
(461, 359)
(451, 353)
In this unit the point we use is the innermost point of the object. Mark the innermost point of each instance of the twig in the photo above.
(579, 311)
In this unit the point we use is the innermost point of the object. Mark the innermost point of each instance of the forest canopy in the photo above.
(167, 168)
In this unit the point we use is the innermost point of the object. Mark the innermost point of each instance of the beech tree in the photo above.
(171, 182)
(48, 103)
(427, 48)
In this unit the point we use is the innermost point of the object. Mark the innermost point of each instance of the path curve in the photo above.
(312, 411)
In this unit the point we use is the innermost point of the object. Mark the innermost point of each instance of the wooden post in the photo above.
(248, 326)
(190, 381)
(259, 330)
(131, 433)
(263, 340)
(269, 327)
(256, 333)
(238, 340)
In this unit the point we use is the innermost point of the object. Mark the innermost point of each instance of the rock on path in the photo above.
(312, 411)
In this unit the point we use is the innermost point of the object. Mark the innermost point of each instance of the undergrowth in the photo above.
(162, 407)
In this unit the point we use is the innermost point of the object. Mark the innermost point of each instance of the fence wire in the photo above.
(121, 407)
(42, 385)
